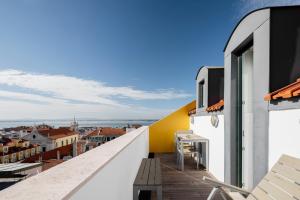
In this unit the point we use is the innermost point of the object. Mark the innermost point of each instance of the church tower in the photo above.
(74, 125)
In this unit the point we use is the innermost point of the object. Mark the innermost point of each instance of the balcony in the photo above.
(181, 185)
(108, 172)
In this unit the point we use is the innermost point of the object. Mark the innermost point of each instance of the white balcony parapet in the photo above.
(106, 172)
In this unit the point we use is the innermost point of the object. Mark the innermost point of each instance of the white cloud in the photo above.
(13, 110)
(59, 96)
(76, 89)
(29, 97)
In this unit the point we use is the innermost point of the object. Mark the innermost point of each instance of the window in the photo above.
(284, 47)
(200, 94)
(215, 86)
(62, 143)
(33, 136)
(71, 140)
(67, 141)
(44, 149)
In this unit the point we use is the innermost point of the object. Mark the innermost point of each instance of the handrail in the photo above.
(218, 184)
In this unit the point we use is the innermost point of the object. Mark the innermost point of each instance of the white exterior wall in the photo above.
(284, 134)
(255, 165)
(40, 140)
(202, 126)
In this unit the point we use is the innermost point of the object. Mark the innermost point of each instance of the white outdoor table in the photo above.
(193, 138)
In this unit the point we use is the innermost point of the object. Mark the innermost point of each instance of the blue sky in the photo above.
(109, 59)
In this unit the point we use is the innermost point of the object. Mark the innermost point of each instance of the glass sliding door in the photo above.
(244, 117)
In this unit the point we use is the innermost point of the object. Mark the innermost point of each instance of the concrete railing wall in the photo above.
(106, 172)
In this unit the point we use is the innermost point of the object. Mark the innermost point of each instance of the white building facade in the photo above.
(210, 124)
(45, 143)
(261, 56)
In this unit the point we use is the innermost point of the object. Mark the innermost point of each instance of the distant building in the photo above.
(18, 128)
(85, 130)
(132, 127)
(52, 138)
(136, 126)
(104, 134)
(16, 132)
(74, 125)
(20, 131)
(13, 150)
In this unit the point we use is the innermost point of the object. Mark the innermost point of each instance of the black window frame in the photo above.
(201, 94)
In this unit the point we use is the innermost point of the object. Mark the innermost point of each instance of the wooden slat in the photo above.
(259, 194)
(157, 172)
(183, 185)
(145, 176)
(287, 172)
(292, 188)
(274, 191)
(151, 179)
(290, 161)
(149, 173)
(138, 179)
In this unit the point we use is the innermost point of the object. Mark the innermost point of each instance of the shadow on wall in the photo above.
(161, 133)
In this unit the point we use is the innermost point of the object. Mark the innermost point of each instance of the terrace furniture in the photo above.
(179, 133)
(182, 149)
(148, 178)
(282, 182)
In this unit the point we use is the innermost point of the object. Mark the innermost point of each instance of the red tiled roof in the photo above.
(52, 154)
(12, 150)
(192, 112)
(19, 128)
(57, 133)
(22, 140)
(5, 141)
(107, 131)
(292, 90)
(216, 107)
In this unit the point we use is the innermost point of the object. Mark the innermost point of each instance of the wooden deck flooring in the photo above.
(182, 185)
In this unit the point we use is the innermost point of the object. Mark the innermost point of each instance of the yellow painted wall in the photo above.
(65, 139)
(161, 133)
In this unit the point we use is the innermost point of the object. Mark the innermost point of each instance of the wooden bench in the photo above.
(148, 178)
(282, 182)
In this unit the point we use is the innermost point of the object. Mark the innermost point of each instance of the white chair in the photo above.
(188, 149)
(182, 132)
